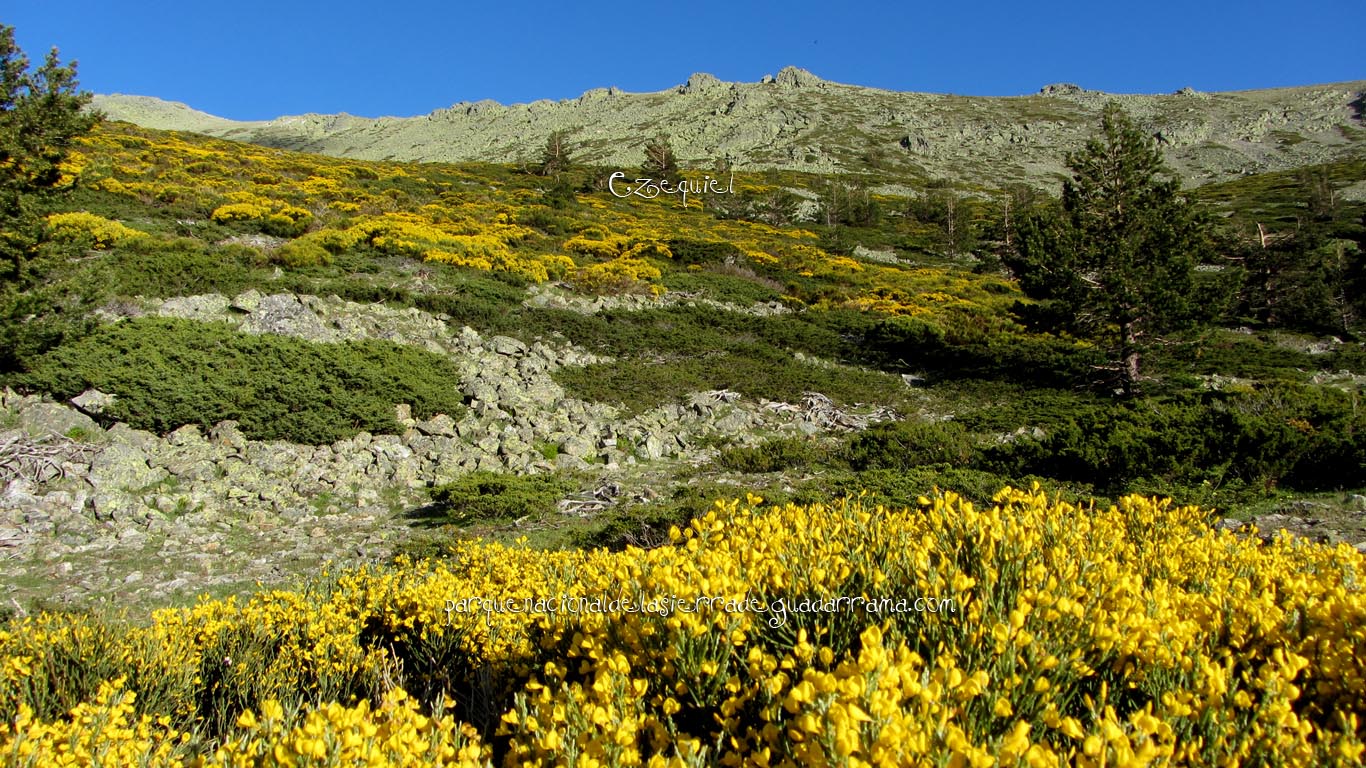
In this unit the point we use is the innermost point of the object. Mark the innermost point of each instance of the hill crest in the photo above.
(799, 121)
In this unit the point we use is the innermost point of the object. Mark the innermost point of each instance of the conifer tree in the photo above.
(660, 162)
(40, 113)
(1116, 263)
(556, 157)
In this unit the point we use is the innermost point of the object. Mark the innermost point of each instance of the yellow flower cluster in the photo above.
(456, 215)
(97, 232)
(602, 248)
(1043, 634)
(396, 734)
(105, 731)
(619, 275)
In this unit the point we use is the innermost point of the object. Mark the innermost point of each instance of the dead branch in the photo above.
(40, 459)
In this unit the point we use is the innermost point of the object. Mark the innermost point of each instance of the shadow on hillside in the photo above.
(428, 516)
(1359, 108)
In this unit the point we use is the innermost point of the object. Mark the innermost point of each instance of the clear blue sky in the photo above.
(253, 60)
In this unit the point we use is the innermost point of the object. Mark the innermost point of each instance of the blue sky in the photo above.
(254, 60)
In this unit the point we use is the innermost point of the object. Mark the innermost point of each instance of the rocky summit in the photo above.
(798, 121)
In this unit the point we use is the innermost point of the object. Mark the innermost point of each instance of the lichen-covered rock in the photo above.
(93, 401)
(205, 307)
(42, 418)
(506, 345)
(122, 467)
(287, 315)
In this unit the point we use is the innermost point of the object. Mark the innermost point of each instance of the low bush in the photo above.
(647, 525)
(1272, 436)
(720, 287)
(703, 252)
(178, 267)
(301, 253)
(88, 230)
(969, 353)
(898, 488)
(1025, 630)
(167, 373)
(497, 496)
(903, 445)
(752, 370)
(773, 455)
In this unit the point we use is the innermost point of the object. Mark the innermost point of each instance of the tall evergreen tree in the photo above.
(556, 156)
(1116, 263)
(660, 162)
(40, 113)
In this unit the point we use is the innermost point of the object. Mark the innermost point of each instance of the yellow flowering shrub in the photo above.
(275, 217)
(623, 274)
(602, 248)
(392, 735)
(456, 215)
(240, 212)
(648, 248)
(1044, 634)
(93, 231)
(104, 731)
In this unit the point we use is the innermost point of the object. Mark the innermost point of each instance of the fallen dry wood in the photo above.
(39, 459)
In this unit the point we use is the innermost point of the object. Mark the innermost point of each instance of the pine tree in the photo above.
(40, 113)
(660, 162)
(1116, 263)
(556, 157)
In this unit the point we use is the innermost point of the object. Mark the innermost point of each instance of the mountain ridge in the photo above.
(799, 121)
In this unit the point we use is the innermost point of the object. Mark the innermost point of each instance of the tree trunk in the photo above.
(1128, 354)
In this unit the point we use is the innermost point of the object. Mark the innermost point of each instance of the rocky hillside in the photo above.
(263, 361)
(798, 121)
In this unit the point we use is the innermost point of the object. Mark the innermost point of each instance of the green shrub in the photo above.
(722, 287)
(648, 525)
(301, 253)
(167, 373)
(909, 444)
(773, 455)
(901, 488)
(755, 371)
(1274, 435)
(966, 352)
(497, 496)
(87, 230)
(179, 267)
(703, 252)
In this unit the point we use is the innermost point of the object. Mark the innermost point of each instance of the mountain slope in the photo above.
(798, 121)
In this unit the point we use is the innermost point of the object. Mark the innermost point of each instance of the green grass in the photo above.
(642, 384)
(1281, 197)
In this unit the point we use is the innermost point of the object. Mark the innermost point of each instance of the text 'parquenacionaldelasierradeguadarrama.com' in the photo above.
(778, 609)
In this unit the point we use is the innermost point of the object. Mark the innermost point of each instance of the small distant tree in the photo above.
(1305, 277)
(1016, 201)
(955, 216)
(1116, 263)
(660, 161)
(778, 207)
(846, 204)
(1300, 279)
(842, 205)
(556, 157)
